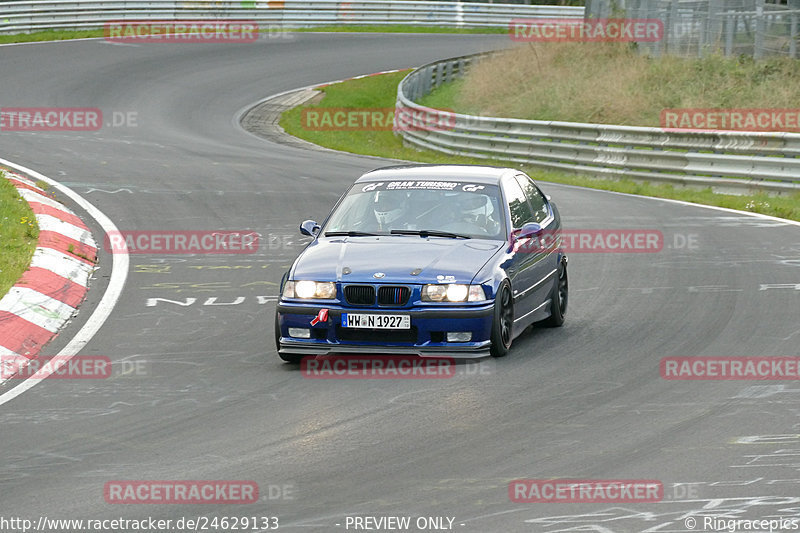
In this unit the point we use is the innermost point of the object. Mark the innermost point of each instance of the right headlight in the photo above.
(452, 292)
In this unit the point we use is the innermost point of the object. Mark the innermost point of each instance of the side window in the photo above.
(537, 200)
(517, 204)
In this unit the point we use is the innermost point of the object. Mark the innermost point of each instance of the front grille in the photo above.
(391, 295)
(377, 335)
(359, 294)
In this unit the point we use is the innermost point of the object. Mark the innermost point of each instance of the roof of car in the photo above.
(473, 173)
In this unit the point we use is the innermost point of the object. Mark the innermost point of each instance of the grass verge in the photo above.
(18, 235)
(379, 92)
(611, 83)
(49, 35)
(402, 28)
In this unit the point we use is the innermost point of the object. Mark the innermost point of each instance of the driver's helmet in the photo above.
(388, 208)
(475, 207)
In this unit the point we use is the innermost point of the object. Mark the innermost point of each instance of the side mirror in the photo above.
(522, 239)
(309, 227)
(531, 229)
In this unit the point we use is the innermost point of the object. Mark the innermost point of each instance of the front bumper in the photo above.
(427, 337)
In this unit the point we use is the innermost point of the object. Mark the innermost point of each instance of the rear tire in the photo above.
(289, 358)
(559, 297)
(503, 323)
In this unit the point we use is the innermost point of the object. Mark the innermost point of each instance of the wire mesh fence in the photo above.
(755, 28)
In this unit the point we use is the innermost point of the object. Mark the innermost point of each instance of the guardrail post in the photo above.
(427, 80)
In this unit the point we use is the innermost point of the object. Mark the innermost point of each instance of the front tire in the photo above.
(503, 323)
(559, 296)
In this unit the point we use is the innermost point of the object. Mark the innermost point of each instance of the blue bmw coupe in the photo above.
(432, 260)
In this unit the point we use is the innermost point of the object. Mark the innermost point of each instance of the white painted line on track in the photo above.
(680, 202)
(119, 274)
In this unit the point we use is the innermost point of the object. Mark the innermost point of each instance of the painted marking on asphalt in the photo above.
(211, 300)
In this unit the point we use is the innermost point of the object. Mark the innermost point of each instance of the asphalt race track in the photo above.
(210, 400)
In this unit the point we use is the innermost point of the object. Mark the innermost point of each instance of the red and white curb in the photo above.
(48, 293)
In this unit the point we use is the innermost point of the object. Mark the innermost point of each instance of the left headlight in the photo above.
(452, 292)
(319, 290)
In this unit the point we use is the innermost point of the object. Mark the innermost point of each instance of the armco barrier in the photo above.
(732, 160)
(37, 15)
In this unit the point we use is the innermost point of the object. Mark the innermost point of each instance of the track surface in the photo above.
(585, 401)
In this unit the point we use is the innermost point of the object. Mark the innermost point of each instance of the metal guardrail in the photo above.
(37, 15)
(733, 160)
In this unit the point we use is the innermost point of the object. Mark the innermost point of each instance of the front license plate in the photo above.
(359, 320)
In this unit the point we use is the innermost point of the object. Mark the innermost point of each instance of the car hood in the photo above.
(400, 258)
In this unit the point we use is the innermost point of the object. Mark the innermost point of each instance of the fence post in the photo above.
(671, 33)
(656, 47)
(793, 37)
(714, 36)
(730, 25)
(702, 29)
(758, 47)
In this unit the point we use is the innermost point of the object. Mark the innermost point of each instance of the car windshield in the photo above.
(428, 208)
